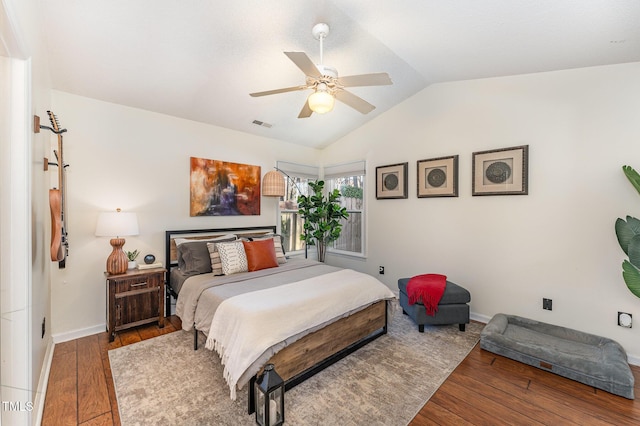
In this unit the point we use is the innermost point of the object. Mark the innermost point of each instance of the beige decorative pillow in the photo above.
(277, 243)
(232, 257)
(216, 263)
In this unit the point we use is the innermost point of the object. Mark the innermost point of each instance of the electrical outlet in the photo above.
(625, 319)
(381, 270)
(547, 304)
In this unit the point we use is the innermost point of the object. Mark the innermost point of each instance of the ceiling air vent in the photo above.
(261, 123)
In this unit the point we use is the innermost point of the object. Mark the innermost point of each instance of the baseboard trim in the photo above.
(480, 318)
(43, 382)
(76, 334)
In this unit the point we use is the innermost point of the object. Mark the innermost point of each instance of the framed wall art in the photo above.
(391, 181)
(220, 188)
(501, 171)
(438, 177)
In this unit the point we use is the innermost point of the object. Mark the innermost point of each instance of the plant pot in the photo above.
(321, 250)
(132, 264)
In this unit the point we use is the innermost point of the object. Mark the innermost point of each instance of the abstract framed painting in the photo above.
(391, 181)
(221, 188)
(438, 177)
(502, 171)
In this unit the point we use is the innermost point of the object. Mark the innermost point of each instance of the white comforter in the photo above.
(246, 325)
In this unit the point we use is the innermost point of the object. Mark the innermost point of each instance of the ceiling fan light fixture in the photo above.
(326, 85)
(321, 101)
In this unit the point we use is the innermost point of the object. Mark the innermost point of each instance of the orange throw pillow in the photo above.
(261, 254)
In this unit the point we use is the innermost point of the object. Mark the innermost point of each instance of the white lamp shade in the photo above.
(117, 224)
(273, 184)
(321, 101)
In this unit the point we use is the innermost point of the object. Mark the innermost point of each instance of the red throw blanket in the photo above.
(428, 289)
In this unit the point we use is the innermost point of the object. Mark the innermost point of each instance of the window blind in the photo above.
(300, 170)
(354, 168)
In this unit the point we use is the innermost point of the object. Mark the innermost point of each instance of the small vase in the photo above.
(133, 264)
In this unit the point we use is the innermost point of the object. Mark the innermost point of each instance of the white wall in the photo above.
(25, 282)
(511, 251)
(138, 161)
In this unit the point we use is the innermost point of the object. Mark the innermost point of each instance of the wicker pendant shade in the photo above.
(273, 184)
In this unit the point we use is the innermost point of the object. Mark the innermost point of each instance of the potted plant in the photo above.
(321, 215)
(628, 233)
(132, 256)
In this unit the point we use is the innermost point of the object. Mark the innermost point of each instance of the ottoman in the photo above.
(452, 309)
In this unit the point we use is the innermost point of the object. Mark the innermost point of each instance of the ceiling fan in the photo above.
(326, 84)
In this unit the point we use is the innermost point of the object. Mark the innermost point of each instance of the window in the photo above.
(349, 180)
(291, 224)
(297, 177)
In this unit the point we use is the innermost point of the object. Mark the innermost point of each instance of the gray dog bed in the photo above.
(589, 359)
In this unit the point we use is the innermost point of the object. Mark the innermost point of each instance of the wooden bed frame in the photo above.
(315, 351)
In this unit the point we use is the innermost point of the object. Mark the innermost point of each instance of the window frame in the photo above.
(292, 172)
(350, 170)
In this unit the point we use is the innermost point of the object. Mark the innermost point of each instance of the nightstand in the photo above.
(135, 298)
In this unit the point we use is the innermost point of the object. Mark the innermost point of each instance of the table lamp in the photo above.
(117, 224)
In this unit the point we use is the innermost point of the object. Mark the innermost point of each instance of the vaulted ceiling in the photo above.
(200, 59)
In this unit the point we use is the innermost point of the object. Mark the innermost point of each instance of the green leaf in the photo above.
(132, 255)
(624, 234)
(631, 276)
(633, 177)
(634, 251)
(634, 224)
(626, 230)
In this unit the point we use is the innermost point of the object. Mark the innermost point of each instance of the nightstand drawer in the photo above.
(123, 285)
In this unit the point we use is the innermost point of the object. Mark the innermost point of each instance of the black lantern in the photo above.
(269, 392)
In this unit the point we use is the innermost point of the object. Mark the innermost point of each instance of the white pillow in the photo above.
(233, 257)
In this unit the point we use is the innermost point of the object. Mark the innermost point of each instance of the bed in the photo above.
(299, 315)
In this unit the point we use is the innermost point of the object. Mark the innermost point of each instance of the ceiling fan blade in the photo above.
(354, 101)
(303, 62)
(273, 92)
(376, 79)
(306, 111)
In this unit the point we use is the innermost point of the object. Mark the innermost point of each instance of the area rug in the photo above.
(163, 381)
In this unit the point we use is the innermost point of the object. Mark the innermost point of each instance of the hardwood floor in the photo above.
(80, 389)
(485, 389)
(490, 389)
